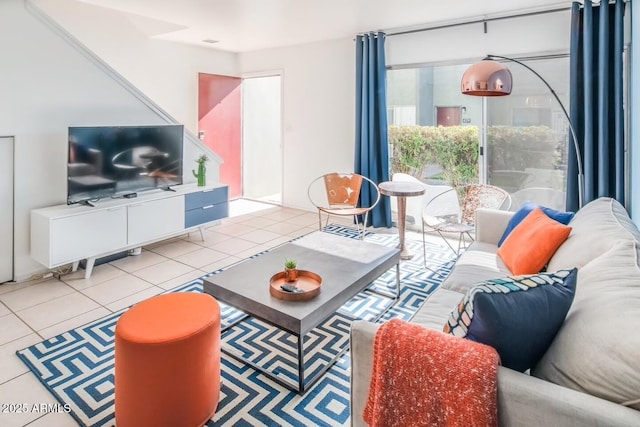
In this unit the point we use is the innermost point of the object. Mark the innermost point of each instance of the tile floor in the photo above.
(40, 309)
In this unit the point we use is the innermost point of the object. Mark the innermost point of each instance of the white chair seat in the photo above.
(450, 225)
(446, 214)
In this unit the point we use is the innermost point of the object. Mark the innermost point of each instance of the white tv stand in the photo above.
(66, 234)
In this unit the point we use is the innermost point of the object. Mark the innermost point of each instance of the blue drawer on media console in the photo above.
(205, 214)
(206, 197)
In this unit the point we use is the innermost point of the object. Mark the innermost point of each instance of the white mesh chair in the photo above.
(338, 194)
(454, 210)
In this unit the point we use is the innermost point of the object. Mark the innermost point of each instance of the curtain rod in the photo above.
(478, 21)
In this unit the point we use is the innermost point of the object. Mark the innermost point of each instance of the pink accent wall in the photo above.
(219, 116)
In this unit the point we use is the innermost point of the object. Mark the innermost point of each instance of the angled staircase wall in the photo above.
(109, 71)
(49, 81)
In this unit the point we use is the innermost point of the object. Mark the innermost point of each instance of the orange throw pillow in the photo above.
(532, 243)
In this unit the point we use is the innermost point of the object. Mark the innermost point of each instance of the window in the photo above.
(517, 142)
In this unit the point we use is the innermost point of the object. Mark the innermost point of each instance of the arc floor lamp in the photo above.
(490, 77)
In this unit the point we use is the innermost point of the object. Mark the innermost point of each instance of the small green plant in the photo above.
(290, 270)
(202, 170)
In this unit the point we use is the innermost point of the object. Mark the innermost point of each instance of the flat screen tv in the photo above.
(118, 161)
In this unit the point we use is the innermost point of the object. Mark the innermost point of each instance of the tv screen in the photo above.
(113, 161)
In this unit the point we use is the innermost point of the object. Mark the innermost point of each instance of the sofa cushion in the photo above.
(479, 262)
(598, 347)
(526, 209)
(518, 316)
(594, 230)
(437, 308)
(532, 243)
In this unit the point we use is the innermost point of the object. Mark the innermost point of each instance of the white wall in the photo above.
(318, 110)
(166, 72)
(47, 86)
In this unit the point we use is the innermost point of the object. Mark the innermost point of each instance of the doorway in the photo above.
(448, 116)
(262, 139)
(241, 121)
(7, 203)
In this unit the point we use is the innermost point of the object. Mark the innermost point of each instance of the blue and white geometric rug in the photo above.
(77, 366)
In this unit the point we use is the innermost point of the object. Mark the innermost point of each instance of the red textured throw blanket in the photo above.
(423, 377)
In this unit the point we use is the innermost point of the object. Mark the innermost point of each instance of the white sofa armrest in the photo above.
(363, 335)
(522, 400)
(529, 401)
(490, 224)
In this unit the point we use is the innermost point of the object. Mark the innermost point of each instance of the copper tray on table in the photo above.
(308, 282)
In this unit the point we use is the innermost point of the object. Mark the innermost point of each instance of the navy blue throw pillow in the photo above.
(518, 316)
(525, 209)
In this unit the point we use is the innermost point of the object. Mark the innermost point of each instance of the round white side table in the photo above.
(402, 190)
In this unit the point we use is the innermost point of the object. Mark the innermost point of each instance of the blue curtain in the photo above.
(596, 97)
(372, 149)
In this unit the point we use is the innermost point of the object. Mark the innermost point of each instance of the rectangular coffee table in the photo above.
(347, 266)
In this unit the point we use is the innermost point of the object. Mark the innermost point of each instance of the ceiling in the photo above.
(248, 25)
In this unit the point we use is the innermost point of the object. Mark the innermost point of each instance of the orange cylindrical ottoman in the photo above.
(167, 361)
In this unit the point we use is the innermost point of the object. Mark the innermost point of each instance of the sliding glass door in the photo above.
(528, 134)
(517, 142)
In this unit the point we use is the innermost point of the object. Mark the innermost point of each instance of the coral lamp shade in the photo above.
(487, 78)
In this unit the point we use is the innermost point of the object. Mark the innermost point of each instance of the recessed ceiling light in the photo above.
(210, 41)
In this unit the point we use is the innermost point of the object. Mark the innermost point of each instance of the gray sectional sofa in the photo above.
(590, 375)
